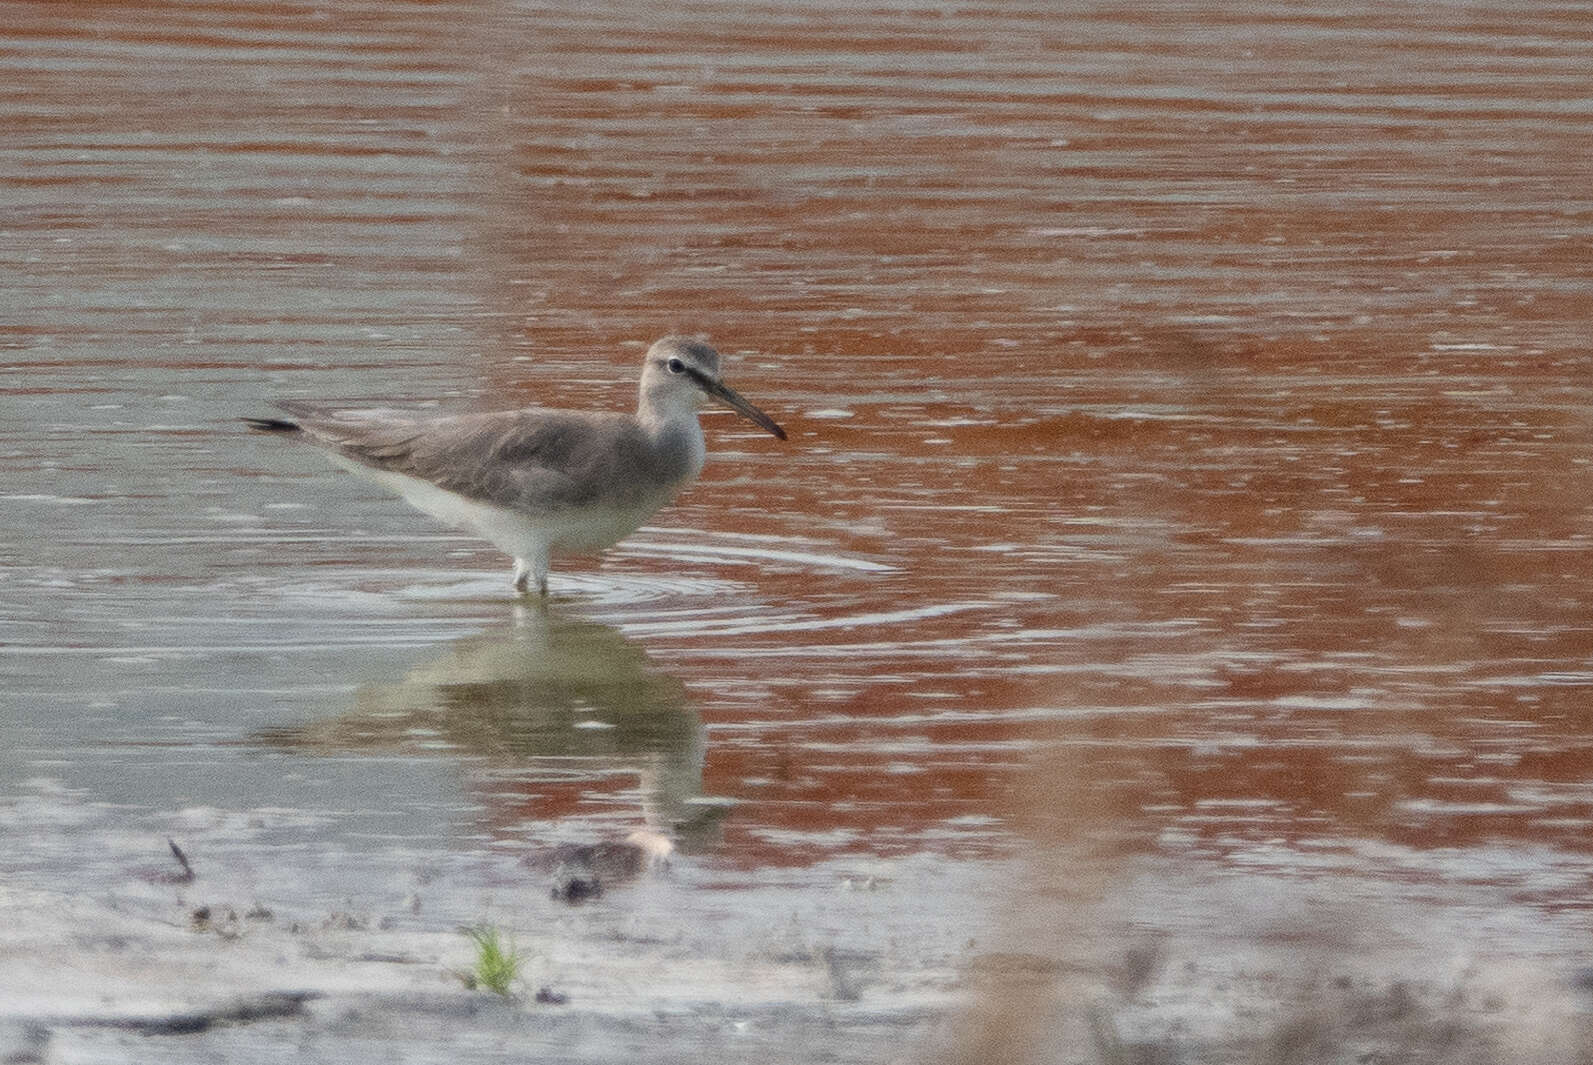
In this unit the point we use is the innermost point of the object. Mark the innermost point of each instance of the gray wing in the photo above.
(529, 460)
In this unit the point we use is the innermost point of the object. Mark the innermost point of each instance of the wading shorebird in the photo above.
(537, 482)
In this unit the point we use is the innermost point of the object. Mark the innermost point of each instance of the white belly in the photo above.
(519, 535)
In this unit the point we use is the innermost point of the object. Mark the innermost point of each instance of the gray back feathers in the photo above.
(533, 461)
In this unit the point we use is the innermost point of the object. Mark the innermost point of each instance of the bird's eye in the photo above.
(676, 366)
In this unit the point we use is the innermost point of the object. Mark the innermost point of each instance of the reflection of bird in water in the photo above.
(540, 482)
(556, 702)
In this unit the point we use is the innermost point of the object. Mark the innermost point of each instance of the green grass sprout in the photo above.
(497, 961)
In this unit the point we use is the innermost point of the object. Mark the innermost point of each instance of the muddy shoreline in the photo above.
(864, 961)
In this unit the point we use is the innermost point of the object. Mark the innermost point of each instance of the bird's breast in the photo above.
(679, 451)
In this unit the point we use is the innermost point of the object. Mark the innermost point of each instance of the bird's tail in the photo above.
(272, 425)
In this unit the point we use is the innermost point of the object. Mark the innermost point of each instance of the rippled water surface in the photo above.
(1196, 398)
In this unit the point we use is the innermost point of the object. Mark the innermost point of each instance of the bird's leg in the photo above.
(525, 572)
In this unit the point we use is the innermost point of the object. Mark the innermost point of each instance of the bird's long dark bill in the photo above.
(731, 398)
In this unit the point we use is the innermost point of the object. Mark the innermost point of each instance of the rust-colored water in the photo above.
(1197, 396)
